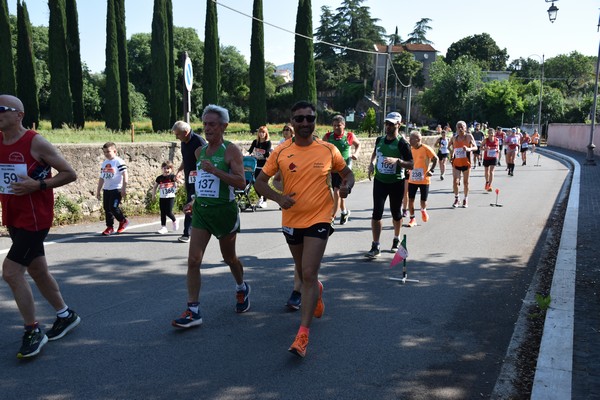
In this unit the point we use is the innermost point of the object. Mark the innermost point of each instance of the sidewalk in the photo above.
(585, 323)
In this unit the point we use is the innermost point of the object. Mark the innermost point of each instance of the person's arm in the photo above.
(285, 200)
(347, 182)
(371, 169)
(47, 154)
(124, 185)
(99, 188)
(356, 145)
(154, 190)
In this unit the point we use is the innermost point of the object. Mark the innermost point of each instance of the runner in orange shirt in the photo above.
(306, 202)
(462, 144)
(425, 160)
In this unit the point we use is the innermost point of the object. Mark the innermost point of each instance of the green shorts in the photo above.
(219, 220)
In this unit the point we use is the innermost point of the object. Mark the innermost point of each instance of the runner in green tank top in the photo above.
(214, 212)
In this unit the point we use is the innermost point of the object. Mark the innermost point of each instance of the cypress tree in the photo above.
(171, 60)
(160, 107)
(211, 68)
(112, 105)
(305, 83)
(75, 70)
(258, 96)
(7, 67)
(27, 89)
(61, 102)
(123, 64)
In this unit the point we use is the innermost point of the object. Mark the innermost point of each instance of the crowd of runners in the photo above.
(308, 177)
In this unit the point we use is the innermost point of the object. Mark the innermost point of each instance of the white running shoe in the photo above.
(162, 230)
(175, 226)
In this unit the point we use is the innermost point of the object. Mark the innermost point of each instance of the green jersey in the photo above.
(210, 190)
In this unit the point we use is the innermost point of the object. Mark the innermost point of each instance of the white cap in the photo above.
(394, 117)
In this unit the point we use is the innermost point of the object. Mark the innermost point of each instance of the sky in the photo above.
(521, 27)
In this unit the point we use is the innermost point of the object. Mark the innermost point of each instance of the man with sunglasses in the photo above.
(390, 160)
(305, 163)
(26, 163)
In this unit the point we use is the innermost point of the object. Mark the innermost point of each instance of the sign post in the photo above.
(188, 81)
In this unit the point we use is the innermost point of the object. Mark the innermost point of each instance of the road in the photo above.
(444, 337)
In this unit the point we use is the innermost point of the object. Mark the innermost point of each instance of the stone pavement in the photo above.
(586, 330)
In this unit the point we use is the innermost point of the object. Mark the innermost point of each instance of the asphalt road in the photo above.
(444, 337)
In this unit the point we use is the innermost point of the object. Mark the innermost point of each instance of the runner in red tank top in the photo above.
(26, 159)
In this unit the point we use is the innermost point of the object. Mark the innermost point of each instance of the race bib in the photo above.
(417, 174)
(460, 153)
(167, 190)
(384, 167)
(492, 153)
(9, 174)
(288, 230)
(192, 177)
(207, 185)
(525, 145)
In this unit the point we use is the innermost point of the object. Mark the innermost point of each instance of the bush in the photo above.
(66, 211)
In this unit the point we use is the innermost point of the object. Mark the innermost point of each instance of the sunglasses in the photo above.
(286, 129)
(4, 109)
(300, 118)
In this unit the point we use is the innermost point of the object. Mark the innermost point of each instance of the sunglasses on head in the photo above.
(300, 118)
(5, 109)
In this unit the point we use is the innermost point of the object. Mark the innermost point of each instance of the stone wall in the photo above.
(144, 165)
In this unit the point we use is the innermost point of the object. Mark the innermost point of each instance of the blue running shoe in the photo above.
(188, 319)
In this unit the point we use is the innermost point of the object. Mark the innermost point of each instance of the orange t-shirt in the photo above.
(422, 158)
(306, 171)
(460, 157)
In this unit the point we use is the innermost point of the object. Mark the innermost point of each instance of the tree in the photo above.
(160, 103)
(451, 90)
(482, 49)
(123, 64)
(171, 60)
(112, 106)
(75, 70)
(572, 74)
(27, 89)
(408, 70)
(499, 103)
(211, 67)
(395, 39)
(305, 84)
(258, 101)
(8, 84)
(61, 102)
(358, 30)
(418, 35)
(326, 34)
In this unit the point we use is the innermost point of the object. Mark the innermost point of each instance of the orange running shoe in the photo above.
(122, 225)
(299, 346)
(320, 308)
(412, 222)
(424, 215)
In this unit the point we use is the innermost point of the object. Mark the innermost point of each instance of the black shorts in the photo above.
(412, 190)
(442, 155)
(26, 245)
(463, 168)
(524, 149)
(478, 151)
(489, 162)
(381, 191)
(296, 235)
(336, 180)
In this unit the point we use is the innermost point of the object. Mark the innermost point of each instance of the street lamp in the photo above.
(590, 148)
(552, 11)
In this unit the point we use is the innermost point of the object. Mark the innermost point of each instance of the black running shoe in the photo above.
(374, 252)
(395, 244)
(243, 302)
(63, 325)
(33, 341)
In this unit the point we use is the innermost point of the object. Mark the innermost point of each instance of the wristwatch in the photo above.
(43, 185)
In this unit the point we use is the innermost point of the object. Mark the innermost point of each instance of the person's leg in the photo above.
(466, 175)
(187, 220)
(397, 193)
(106, 204)
(198, 242)
(163, 205)
(47, 285)
(169, 209)
(227, 245)
(491, 174)
(336, 202)
(14, 275)
(379, 197)
(311, 253)
(455, 181)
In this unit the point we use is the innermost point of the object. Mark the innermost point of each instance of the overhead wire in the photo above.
(346, 48)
